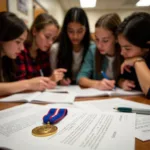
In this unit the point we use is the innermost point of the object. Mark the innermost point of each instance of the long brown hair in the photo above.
(111, 23)
(39, 23)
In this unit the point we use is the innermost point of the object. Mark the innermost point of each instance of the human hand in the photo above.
(129, 62)
(105, 84)
(40, 84)
(58, 74)
(66, 81)
(127, 85)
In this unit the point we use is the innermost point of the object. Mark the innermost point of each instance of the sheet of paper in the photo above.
(20, 97)
(142, 127)
(78, 130)
(89, 92)
(68, 94)
(18, 109)
(41, 97)
(121, 92)
(70, 88)
(55, 97)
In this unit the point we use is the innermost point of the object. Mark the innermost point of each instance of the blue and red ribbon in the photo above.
(54, 115)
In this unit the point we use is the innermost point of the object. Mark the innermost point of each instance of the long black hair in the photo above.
(65, 55)
(136, 29)
(11, 27)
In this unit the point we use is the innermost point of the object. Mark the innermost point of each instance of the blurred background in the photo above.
(29, 9)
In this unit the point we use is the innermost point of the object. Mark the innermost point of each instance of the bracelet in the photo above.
(138, 60)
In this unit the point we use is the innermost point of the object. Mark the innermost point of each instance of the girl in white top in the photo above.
(74, 41)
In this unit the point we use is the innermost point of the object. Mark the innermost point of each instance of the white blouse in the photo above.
(77, 59)
(109, 70)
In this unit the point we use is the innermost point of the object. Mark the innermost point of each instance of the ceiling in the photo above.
(101, 4)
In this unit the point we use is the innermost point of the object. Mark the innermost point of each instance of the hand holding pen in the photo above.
(104, 84)
(107, 83)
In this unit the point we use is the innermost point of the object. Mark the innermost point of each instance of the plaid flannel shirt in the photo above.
(27, 67)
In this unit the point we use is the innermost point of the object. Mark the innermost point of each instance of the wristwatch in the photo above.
(138, 59)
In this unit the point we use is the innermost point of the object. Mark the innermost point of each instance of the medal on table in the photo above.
(48, 128)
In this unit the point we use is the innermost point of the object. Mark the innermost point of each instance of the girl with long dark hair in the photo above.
(13, 33)
(134, 39)
(72, 45)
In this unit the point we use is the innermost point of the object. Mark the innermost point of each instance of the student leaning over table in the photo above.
(13, 33)
(34, 60)
(104, 57)
(72, 45)
(134, 38)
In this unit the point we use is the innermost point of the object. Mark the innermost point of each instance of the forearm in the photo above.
(143, 74)
(13, 87)
(85, 82)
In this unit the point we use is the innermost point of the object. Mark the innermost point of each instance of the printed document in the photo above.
(79, 130)
(142, 127)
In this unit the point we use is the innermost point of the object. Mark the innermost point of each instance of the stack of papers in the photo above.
(79, 130)
(90, 92)
(142, 126)
(65, 94)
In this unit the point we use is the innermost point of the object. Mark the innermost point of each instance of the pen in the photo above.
(41, 73)
(105, 76)
(133, 110)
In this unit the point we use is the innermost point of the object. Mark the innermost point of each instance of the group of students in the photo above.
(29, 61)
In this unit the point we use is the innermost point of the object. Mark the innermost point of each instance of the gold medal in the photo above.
(44, 130)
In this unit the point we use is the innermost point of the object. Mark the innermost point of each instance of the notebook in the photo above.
(41, 97)
(89, 92)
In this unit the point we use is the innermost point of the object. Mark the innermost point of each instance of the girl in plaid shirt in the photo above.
(13, 33)
(34, 60)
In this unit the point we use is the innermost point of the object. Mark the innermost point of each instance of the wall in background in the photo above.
(93, 16)
(54, 8)
(3, 5)
(38, 9)
(28, 18)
